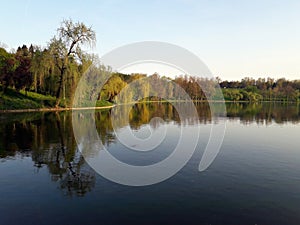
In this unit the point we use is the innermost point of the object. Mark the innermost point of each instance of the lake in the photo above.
(254, 179)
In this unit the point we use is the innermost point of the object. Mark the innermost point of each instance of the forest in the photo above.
(38, 77)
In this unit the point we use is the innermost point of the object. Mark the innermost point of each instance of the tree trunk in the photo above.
(60, 85)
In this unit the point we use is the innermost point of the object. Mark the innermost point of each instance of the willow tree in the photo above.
(67, 47)
(112, 88)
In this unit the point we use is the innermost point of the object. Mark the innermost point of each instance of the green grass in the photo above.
(12, 99)
(37, 96)
(103, 103)
(20, 100)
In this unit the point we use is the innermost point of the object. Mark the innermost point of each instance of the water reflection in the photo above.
(48, 137)
(264, 113)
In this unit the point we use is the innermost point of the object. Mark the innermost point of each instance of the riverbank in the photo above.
(53, 109)
(12, 101)
(111, 106)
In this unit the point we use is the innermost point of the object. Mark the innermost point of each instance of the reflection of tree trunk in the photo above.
(76, 176)
(61, 138)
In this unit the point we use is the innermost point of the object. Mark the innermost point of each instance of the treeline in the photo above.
(201, 89)
(249, 89)
(34, 69)
(56, 69)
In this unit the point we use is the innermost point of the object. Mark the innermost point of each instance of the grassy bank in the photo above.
(12, 100)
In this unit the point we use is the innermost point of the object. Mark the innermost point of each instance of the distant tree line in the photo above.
(202, 89)
(56, 69)
(249, 89)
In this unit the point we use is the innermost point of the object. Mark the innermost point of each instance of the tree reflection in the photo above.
(48, 137)
(50, 142)
(264, 113)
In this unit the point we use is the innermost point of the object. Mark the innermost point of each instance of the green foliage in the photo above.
(66, 50)
(103, 103)
(112, 87)
(12, 99)
(48, 77)
(262, 89)
(8, 65)
(241, 95)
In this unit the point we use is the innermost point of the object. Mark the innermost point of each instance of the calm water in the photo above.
(255, 179)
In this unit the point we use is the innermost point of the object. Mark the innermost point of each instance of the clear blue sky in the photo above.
(234, 38)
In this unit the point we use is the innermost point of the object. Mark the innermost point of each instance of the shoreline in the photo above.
(53, 109)
(111, 106)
